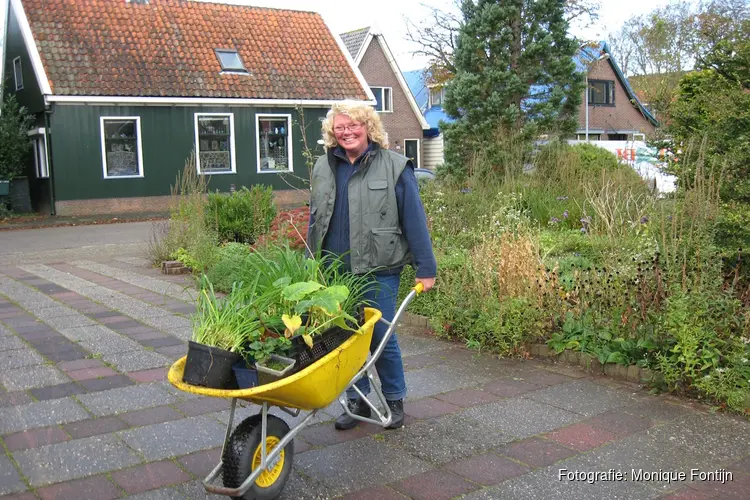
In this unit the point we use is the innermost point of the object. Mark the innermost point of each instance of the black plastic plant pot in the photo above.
(209, 366)
(247, 376)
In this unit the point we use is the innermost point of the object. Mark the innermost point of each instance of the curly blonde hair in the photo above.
(359, 112)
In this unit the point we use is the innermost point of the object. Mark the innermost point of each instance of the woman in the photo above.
(365, 207)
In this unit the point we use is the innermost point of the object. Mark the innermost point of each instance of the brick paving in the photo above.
(86, 412)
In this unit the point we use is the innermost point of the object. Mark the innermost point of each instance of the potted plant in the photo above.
(221, 330)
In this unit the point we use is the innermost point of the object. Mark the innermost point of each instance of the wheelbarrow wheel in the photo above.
(243, 454)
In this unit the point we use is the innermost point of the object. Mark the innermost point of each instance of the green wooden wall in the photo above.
(168, 137)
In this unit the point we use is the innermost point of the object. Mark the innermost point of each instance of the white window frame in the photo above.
(442, 96)
(389, 101)
(18, 73)
(139, 142)
(240, 71)
(289, 142)
(419, 159)
(232, 151)
(37, 134)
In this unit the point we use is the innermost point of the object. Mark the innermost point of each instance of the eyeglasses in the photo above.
(354, 127)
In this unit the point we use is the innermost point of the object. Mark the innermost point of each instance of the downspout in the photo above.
(48, 139)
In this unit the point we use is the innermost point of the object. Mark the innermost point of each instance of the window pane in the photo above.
(378, 91)
(121, 146)
(214, 144)
(274, 144)
(230, 61)
(387, 99)
(18, 73)
(436, 97)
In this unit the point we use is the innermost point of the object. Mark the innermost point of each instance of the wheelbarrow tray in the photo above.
(314, 387)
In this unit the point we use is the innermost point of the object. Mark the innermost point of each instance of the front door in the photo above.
(411, 150)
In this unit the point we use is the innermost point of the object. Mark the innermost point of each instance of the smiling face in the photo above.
(351, 135)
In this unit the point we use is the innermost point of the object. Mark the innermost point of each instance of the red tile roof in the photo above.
(166, 49)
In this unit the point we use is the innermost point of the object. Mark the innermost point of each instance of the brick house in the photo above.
(124, 91)
(614, 111)
(398, 110)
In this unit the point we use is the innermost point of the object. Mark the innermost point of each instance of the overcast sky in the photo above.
(389, 16)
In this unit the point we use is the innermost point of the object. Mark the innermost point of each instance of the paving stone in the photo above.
(40, 414)
(27, 495)
(28, 331)
(546, 480)
(34, 438)
(581, 437)
(355, 465)
(106, 383)
(55, 311)
(17, 398)
(546, 378)
(88, 373)
(509, 387)
(419, 361)
(105, 314)
(741, 465)
(619, 424)
(28, 377)
(123, 399)
(148, 335)
(10, 481)
(151, 375)
(687, 494)
(443, 378)
(71, 321)
(137, 360)
(92, 333)
(173, 352)
(94, 427)
(202, 406)
(325, 434)
(178, 437)
(74, 459)
(115, 344)
(536, 452)
(90, 488)
(19, 358)
(127, 323)
(149, 476)
(468, 397)
(12, 344)
(150, 416)
(521, 418)
(166, 494)
(57, 391)
(434, 485)
(716, 438)
(412, 345)
(24, 320)
(115, 318)
(69, 354)
(429, 408)
(719, 486)
(140, 330)
(165, 341)
(582, 396)
(487, 469)
(203, 462)
(446, 438)
(375, 493)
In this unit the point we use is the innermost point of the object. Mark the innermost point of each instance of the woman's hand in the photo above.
(427, 283)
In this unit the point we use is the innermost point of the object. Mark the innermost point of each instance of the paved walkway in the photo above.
(86, 412)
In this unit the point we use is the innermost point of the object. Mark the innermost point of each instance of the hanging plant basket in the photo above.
(209, 366)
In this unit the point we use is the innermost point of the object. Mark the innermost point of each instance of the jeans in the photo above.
(389, 366)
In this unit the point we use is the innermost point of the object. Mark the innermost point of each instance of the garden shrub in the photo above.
(243, 215)
(289, 227)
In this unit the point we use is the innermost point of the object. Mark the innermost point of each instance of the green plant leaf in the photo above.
(298, 291)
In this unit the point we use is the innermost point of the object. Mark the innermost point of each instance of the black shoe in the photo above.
(397, 411)
(356, 406)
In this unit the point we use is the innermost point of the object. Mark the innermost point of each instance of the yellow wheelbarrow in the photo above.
(257, 457)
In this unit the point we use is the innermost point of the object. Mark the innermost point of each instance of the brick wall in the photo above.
(401, 123)
(289, 198)
(623, 116)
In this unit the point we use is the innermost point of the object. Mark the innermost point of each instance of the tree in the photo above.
(712, 107)
(437, 34)
(515, 78)
(15, 123)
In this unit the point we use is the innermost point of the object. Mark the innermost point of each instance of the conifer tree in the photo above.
(515, 79)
